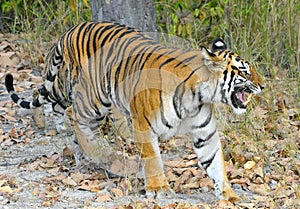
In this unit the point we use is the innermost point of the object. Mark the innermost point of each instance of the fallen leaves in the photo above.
(8, 185)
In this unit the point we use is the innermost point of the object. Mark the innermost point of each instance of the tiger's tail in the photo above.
(53, 60)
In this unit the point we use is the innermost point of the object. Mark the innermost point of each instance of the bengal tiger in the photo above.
(99, 67)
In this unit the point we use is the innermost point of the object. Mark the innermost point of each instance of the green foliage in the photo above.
(190, 19)
(41, 22)
(264, 31)
(43, 16)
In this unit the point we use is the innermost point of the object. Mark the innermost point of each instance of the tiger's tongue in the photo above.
(240, 96)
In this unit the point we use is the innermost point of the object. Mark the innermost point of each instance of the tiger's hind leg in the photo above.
(121, 124)
(89, 145)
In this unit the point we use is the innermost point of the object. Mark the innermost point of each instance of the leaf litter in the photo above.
(37, 168)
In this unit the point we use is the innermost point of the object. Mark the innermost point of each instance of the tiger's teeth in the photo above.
(248, 99)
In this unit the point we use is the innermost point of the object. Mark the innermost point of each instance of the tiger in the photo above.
(98, 69)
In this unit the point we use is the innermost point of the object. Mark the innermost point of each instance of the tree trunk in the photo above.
(1, 25)
(139, 14)
(298, 42)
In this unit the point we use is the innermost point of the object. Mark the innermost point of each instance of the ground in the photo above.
(37, 167)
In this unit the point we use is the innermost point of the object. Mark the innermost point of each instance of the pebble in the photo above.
(237, 186)
(205, 189)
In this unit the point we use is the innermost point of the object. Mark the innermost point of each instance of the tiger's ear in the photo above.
(212, 61)
(218, 45)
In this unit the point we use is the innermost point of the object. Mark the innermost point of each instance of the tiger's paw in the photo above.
(228, 193)
(158, 187)
(164, 193)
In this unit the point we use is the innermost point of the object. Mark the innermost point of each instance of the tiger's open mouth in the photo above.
(239, 98)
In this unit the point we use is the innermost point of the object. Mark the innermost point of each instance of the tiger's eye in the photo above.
(237, 59)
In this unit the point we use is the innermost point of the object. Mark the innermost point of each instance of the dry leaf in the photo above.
(36, 192)
(78, 177)
(92, 186)
(103, 198)
(206, 182)
(69, 182)
(225, 204)
(68, 152)
(10, 118)
(249, 165)
(9, 59)
(6, 189)
(260, 189)
(36, 79)
(46, 203)
(54, 171)
(51, 132)
(12, 132)
(175, 163)
(193, 185)
(2, 182)
(202, 206)
(117, 192)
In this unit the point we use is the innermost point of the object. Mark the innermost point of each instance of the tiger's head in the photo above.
(236, 76)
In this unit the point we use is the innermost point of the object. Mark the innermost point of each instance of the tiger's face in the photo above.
(238, 79)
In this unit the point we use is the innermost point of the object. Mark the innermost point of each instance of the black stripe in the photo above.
(202, 142)
(54, 110)
(220, 52)
(54, 94)
(43, 91)
(177, 99)
(207, 163)
(185, 61)
(116, 79)
(98, 56)
(126, 32)
(232, 74)
(25, 104)
(36, 103)
(115, 33)
(225, 74)
(198, 109)
(15, 97)
(85, 112)
(205, 123)
(50, 77)
(89, 38)
(9, 82)
(167, 61)
(215, 91)
(79, 42)
(150, 53)
(234, 68)
(149, 123)
(163, 118)
(106, 28)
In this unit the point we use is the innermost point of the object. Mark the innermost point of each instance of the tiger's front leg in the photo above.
(208, 149)
(156, 183)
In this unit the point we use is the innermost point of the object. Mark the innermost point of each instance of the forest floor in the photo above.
(37, 168)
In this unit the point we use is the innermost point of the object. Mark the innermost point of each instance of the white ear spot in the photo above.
(219, 43)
